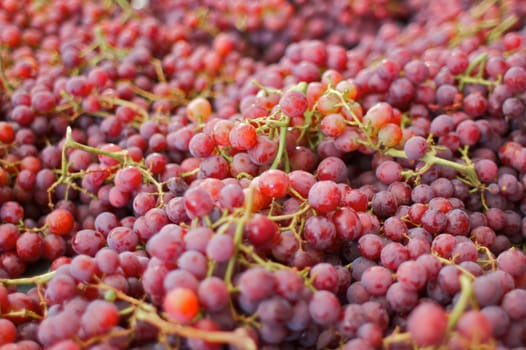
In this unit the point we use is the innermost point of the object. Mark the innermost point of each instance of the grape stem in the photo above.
(467, 170)
(23, 313)
(121, 157)
(450, 262)
(239, 337)
(125, 103)
(259, 261)
(283, 130)
(300, 212)
(3, 77)
(148, 313)
(396, 338)
(115, 333)
(460, 306)
(238, 235)
(480, 9)
(157, 64)
(107, 50)
(64, 176)
(70, 142)
(501, 28)
(38, 279)
(491, 258)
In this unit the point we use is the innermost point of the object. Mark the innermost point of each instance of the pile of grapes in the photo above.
(262, 174)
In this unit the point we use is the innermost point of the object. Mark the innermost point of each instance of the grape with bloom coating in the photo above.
(181, 305)
(427, 324)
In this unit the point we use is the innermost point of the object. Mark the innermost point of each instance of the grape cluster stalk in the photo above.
(271, 174)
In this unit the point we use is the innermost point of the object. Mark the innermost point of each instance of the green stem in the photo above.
(431, 158)
(211, 268)
(480, 9)
(3, 77)
(158, 186)
(238, 235)
(259, 261)
(157, 64)
(396, 338)
(147, 312)
(190, 173)
(125, 297)
(63, 167)
(39, 279)
(224, 153)
(101, 114)
(282, 147)
(290, 216)
(101, 41)
(463, 301)
(306, 127)
(145, 93)
(450, 262)
(478, 60)
(475, 80)
(125, 103)
(501, 28)
(120, 156)
(23, 313)
(239, 337)
(344, 102)
(71, 100)
(267, 90)
(365, 129)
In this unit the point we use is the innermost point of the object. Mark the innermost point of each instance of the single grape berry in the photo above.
(416, 147)
(324, 196)
(427, 324)
(486, 169)
(390, 135)
(515, 79)
(128, 179)
(7, 332)
(199, 110)
(376, 280)
(324, 307)
(7, 133)
(379, 115)
(181, 305)
(293, 103)
(474, 327)
(99, 318)
(243, 136)
(60, 222)
(468, 132)
(273, 183)
(256, 284)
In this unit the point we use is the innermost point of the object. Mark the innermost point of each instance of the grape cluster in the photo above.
(262, 175)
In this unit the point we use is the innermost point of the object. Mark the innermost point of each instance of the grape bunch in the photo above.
(271, 174)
